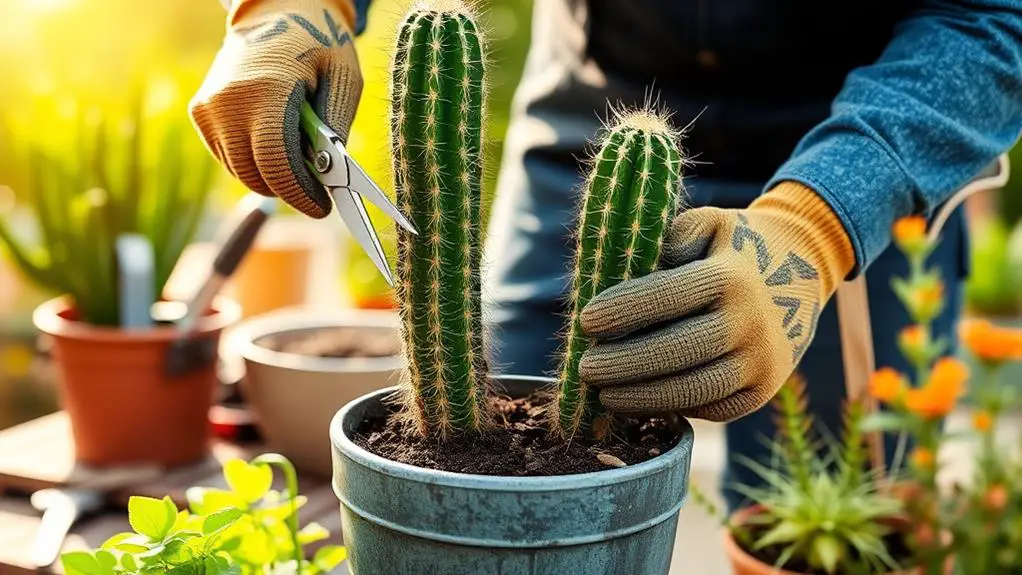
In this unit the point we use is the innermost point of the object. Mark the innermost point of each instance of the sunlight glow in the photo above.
(46, 5)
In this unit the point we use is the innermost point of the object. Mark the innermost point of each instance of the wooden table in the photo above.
(40, 454)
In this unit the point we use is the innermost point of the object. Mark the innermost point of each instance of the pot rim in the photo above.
(242, 339)
(47, 319)
(735, 551)
(341, 442)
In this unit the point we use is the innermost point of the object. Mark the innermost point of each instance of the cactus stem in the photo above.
(437, 117)
(629, 196)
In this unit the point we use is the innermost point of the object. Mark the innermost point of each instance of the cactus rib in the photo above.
(437, 91)
(629, 197)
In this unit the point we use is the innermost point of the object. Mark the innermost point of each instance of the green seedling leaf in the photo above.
(80, 563)
(207, 500)
(220, 520)
(127, 542)
(218, 565)
(311, 533)
(177, 552)
(255, 547)
(250, 482)
(128, 562)
(282, 510)
(107, 561)
(151, 517)
(330, 557)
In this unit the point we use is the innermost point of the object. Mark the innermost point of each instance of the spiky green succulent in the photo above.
(819, 508)
(437, 107)
(629, 198)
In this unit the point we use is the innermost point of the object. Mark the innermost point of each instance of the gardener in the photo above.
(848, 116)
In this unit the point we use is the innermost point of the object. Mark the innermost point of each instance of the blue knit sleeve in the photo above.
(361, 10)
(905, 133)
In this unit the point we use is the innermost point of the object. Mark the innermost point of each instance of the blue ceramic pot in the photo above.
(399, 519)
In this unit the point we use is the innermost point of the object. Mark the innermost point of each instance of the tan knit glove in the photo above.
(716, 331)
(277, 54)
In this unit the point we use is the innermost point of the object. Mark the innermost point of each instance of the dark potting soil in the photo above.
(894, 541)
(520, 444)
(339, 342)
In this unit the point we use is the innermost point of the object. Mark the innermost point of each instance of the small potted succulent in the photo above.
(458, 470)
(136, 176)
(817, 511)
(247, 529)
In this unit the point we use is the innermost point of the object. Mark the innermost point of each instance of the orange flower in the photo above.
(991, 343)
(886, 384)
(948, 377)
(982, 421)
(940, 394)
(922, 458)
(910, 231)
(996, 497)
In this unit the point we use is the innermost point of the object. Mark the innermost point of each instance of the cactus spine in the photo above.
(436, 116)
(629, 198)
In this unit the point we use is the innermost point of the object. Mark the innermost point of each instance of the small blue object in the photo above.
(136, 272)
(399, 518)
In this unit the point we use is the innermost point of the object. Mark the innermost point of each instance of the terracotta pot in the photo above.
(282, 258)
(295, 395)
(742, 563)
(123, 406)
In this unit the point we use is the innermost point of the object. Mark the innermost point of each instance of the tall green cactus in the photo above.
(436, 115)
(629, 197)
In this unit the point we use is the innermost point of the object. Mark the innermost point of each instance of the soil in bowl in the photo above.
(335, 342)
(520, 444)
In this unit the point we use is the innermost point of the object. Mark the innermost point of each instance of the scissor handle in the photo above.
(311, 124)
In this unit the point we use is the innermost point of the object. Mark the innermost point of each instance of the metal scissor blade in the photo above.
(353, 212)
(360, 183)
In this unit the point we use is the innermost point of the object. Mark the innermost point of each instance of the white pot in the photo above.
(294, 396)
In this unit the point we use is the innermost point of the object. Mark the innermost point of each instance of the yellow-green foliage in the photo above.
(102, 174)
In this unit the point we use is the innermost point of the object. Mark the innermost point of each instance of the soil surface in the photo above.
(519, 445)
(339, 342)
(895, 543)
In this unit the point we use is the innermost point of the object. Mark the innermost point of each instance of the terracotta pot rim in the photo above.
(48, 319)
(739, 555)
(243, 337)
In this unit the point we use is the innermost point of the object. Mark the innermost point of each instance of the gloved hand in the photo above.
(277, 54)
(717, 330)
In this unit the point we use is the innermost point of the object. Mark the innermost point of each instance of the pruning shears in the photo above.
(348, 184)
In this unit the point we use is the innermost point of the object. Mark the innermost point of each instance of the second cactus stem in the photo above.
(437, 93)
(629, 199)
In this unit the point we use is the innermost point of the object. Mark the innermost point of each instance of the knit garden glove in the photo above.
(718, 329)
(276, 55)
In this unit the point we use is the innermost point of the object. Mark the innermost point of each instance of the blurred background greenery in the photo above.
(62, 58)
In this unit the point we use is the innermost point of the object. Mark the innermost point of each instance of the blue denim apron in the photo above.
(742, 131)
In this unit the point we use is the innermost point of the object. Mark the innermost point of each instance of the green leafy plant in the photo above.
(817, 510)
(247, 529)
(109, 174)
(628, 200)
